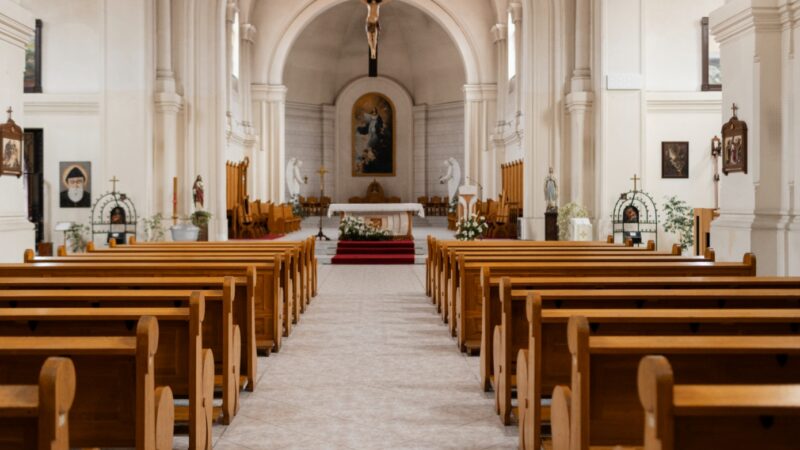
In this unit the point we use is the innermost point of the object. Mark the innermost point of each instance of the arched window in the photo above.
(512, 47)
(235, 46)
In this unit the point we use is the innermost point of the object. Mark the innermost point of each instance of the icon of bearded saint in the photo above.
(75, 194)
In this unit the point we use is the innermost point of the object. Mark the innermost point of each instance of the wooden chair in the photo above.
(277, 222)
(423, 200)
(37, 416)
(437, 207)
(292, 221)
(693, 417)
(313, 205)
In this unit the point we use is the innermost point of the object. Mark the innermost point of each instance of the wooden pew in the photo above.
(468, 301)
(182, 362)
(117, 402)
(545, 362)
(695, 417)
(226, 318)
(288, 279)
(602, 407)
(452, 285)
(298, 263)
(36, 416)
(437, 263)
(265, 315)
(447, 281)
(307, 249)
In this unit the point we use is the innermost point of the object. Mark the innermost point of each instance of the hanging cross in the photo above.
(734, 108)
(114, 183)
(635, 180)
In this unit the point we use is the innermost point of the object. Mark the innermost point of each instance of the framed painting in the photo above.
(10, 148)
(674, 160)
(33, 62)
(76, 187)
(734, 145)
(712, 73)
(373, 131)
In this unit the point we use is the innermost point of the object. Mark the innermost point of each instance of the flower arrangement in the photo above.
(680, 220)
(565, 214)
(356, 229)
(471, 228)
(76, 237)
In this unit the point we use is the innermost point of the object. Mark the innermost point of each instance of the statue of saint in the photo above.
(551, 192)
(198, 194)
(293, 177)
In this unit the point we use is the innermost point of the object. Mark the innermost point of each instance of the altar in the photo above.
(395, 217)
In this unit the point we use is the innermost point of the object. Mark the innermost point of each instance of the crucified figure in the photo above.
(373, 25)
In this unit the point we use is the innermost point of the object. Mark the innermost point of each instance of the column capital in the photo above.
(480, 92)
(247, 32)
(515, 9)
(740, 17)
(270, 93)
(499, 32)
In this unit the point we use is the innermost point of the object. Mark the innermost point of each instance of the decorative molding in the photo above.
(480, 92)
(61, 103)
(741, 16)
(499, 32)
(247, 33)
(16, 24)
(579, 101)
(268, 92)
(710, 102)
(13, 223)
(168, 102)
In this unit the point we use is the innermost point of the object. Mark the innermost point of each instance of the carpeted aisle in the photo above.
(374, 252)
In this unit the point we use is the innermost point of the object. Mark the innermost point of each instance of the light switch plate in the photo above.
(624, 81)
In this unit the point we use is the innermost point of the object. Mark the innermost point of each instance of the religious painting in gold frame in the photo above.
(10, 148)
(373, 136)
(734, 145)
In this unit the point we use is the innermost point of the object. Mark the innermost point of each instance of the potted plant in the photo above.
(565, 214)
(200, 219)
(679, 220)
(154, 228)
(75, 238)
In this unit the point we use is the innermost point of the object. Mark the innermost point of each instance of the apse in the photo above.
(418, 63)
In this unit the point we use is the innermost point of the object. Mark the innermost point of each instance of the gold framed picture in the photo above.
(373, 136)
(734, 145)
(10, 148)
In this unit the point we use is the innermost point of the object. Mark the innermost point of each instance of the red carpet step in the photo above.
(374, 252)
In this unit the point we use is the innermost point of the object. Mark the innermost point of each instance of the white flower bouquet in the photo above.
(356, 229)
(471, 228)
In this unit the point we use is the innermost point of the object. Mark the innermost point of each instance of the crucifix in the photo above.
(114, 182)
(635, 180)
(322, 171)
(734, 108)
(373, 27)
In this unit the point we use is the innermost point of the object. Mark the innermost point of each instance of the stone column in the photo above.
(497, 141)
(230, 15)
(579, 102)
(328, 148)
(515, 9)
(421, 177)
(270, 101)
(479, 113)
(247, 36)
(755, 207)
(167, 106)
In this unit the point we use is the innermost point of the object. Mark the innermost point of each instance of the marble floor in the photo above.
(370, 366)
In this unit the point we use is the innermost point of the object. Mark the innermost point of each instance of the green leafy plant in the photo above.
(452, 208)
(471, 228)
(154, 228)
(679, 220)
(76, 236)
(565, 214)
(200, 218)
(297, 207)
(356, 229)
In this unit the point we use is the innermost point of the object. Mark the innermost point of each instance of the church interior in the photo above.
(428, 224)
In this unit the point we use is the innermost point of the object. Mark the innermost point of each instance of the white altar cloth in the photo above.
(376, 208)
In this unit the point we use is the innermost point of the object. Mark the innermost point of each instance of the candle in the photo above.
(174, 198)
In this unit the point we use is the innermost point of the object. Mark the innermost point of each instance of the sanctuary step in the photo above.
(374, 252)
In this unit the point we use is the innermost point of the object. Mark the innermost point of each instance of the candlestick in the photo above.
(174, 200)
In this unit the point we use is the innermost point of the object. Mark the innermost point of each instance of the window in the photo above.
(235, 46)
(512, 48)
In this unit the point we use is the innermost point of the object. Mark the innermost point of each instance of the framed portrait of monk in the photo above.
(373, 136)
(76, 179)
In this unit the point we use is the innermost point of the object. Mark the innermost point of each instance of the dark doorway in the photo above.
(34, 179)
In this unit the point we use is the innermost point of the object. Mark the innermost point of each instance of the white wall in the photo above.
(445, 139)
(16, 26)
(96, 103)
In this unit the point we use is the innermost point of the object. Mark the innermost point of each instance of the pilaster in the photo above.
(420, 151)
(270, 102)
(479, 116)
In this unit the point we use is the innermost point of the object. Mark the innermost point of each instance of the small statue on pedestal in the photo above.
(551, 214)
(198, 194)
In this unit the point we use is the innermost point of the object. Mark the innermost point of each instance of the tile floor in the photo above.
(370, 366)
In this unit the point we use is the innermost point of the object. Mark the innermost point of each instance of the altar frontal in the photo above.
(397, 218)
